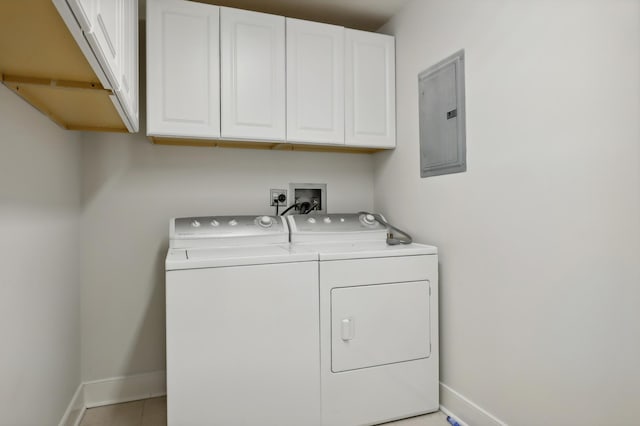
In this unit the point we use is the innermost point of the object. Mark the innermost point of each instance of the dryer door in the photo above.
(379, 324)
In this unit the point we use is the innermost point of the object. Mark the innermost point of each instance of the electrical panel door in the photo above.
(442, 118)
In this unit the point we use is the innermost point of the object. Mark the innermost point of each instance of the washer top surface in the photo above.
(219, 241)
(347, 236)
(198, 258)
(362, 249)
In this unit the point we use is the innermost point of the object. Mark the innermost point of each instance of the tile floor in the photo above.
(146, 412)
(153, 412)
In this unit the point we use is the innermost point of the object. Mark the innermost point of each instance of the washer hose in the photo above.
(292, 206)
(391, 240)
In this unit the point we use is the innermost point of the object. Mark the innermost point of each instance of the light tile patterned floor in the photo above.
(146, 412)
(153, 412)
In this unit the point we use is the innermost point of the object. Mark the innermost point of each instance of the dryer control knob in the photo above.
(195, 223)
(215, 223)
(311, 220)
(233, 222)
(369, 219)
(265, 221)
(327, 220)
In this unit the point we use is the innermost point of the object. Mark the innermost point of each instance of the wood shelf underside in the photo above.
(41, 62)
(275, 146)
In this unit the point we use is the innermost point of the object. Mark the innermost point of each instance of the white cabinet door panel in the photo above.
(129, 87)
(183, 92)
(370, 90)
(107, 36)
(252, 51)
(315, 82)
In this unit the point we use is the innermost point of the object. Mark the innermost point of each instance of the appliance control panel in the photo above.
(335, 223)
(227, 227)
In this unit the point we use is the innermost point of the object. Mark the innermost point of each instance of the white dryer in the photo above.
(378, 319)
(242, 324)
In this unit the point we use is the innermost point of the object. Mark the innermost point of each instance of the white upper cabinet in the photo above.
(223, 73)
(183, 69)
(252, 52)
(370, 106)
(111, 29)
(315, 82)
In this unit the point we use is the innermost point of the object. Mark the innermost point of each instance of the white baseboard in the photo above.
(148, 385)
(76, 408)
(113, 391)
(465, 411)
(124, 389)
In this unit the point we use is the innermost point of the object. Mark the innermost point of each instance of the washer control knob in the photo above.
(215, 223)
(233, 222)
(195, 223)
(311, 220)
(327, 220)
(265, 221)
(369, 219)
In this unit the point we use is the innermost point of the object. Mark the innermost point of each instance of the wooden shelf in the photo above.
(41, 62)
(275, 146)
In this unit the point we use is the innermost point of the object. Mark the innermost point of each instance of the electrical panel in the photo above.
(442, 117)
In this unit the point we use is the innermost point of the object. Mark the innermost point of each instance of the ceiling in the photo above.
(368, 15)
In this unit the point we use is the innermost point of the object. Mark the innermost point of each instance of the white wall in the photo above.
(131, 190)
(540, 239)
(39, 284)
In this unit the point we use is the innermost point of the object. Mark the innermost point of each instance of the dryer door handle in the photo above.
(348, 329)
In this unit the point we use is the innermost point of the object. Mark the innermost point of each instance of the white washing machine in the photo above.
(378, 319)
(242, 324)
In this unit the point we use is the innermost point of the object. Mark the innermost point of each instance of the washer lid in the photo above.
(363, 250)
(234, 256)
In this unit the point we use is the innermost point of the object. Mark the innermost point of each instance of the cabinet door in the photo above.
(370, 98)
(252, 52)
(106, 38)
(83, 10)
(183, 85)
(315, 82)
(128, 93)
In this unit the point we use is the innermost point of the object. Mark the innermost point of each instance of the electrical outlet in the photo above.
(276, 197)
